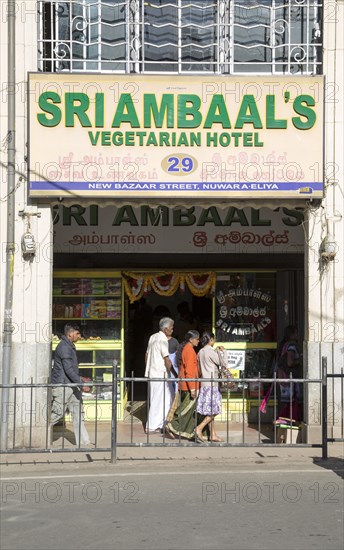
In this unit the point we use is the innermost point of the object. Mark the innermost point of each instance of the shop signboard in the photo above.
(189, 230)
(137, 136)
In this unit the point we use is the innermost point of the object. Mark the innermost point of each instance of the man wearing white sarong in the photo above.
(158, 365)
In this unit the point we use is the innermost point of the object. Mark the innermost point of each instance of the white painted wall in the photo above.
(31, 348)
(324, 335)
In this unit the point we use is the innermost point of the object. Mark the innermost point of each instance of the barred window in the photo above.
(181, 36)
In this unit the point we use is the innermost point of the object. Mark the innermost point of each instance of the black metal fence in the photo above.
(325, 408)
(30, 430)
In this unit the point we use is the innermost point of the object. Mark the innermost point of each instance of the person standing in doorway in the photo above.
(185, 321)
(65, 371)
(158, 365)
(289, 364)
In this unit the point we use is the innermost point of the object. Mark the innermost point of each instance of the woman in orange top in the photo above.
(182, 418)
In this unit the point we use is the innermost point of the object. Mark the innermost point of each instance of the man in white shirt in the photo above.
(158, 365)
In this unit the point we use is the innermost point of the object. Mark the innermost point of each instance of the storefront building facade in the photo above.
(173, 154)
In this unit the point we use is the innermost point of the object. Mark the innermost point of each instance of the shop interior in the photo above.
(116, 326)
(143, 316)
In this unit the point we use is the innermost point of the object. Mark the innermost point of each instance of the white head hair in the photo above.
(165, 322)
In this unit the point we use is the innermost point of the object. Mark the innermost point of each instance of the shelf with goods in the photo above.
(94, 301)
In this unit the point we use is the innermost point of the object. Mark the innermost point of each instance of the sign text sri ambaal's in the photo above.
(150, 136)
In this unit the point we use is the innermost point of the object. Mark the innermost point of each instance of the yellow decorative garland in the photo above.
(207, 287)
(145, 282)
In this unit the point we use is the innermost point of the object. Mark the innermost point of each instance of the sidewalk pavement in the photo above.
(64, 451)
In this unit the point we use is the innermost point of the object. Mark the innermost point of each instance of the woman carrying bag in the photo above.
(209, 402)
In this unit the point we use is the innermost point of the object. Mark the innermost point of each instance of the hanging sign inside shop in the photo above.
(196, 230)
(236, 359)
(236, 362)
(151, 136)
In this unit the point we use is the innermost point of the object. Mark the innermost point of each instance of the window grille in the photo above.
(181, 36)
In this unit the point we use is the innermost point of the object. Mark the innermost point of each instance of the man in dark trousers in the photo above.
(66, 370)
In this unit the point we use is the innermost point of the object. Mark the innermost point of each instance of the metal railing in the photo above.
(325, 408)
(242, 383)
(29, 418)
(30, 408)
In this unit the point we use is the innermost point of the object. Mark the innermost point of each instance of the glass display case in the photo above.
(94, 301)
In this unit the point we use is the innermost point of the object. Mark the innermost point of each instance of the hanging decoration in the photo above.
(167, 283)
(201, 284)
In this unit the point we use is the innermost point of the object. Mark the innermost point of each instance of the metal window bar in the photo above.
(40, 46)
(128, 38)
(289, 38)
(54, 22)
(179, 27)
(230, 35)
(308, 40)
(70, 32)
(136, 40)
(220, 41)
(99, 27)
(273, 38)
(85, 17)
(143, 43)
(224, 50)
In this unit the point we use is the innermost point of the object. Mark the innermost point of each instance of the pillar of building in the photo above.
(32, 276)
(324, 259)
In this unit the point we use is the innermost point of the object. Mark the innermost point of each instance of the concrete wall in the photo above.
(31, 347)
(324, 289)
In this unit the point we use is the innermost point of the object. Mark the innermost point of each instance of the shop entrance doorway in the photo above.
(142, 320)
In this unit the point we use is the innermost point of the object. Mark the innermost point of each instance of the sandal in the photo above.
(199, 438)
(168, 433)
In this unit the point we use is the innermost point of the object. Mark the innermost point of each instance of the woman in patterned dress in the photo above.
(209, 402)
